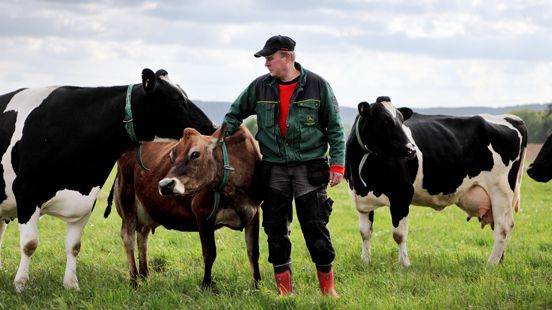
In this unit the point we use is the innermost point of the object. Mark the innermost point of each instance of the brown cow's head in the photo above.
(193, 164)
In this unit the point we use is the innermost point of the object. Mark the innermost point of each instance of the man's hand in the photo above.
(335, 178)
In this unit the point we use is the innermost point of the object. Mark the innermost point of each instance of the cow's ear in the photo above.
(161, 72)
(149, 81)
(188, 132)
(223, 129)
(219, 135)
(364, 108)
(383, 99)
(406, 113)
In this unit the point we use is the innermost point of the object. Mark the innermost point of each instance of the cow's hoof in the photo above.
(210, 287)
(133, 283)
(71, 285)
(20, 285)
(405, 262)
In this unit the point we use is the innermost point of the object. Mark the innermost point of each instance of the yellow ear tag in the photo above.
(146, 83)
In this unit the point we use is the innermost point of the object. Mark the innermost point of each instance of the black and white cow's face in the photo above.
(165, 109)
(541, 169)
(381, 128)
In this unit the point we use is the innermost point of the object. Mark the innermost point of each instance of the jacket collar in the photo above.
(270, 80)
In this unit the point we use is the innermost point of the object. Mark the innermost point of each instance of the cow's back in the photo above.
(454, 150)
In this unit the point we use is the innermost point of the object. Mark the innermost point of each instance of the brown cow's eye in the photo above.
(194, 155)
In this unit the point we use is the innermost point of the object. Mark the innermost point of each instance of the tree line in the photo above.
(539, 123)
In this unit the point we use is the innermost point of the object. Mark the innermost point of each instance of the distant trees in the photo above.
(539, 123)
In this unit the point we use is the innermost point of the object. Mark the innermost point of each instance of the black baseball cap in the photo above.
(276, 43)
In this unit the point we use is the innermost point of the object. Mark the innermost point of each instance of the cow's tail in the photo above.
(516, 205)
(517, 189)
(110, 199)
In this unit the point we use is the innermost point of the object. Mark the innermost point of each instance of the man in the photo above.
(297, 117)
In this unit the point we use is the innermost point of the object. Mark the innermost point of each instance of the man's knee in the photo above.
(276, 209)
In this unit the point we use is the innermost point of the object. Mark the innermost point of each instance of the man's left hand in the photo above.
(335, 178)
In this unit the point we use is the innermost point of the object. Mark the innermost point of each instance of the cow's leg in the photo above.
(3, 226)
(201, 206)
(143, 235)
(366, 222)
(209, 249)
(125, 202)
(28, 242)
(400, 235)
(128, 235)
(72, 249)
(503, 225)
(252, 244)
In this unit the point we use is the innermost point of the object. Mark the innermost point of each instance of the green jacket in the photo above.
(313, 121)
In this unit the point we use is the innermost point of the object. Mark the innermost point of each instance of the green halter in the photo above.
(224, 180)
(129, 125)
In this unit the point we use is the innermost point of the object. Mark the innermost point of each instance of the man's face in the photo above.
(276, 64)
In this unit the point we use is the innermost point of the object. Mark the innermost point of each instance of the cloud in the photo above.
(422, 52)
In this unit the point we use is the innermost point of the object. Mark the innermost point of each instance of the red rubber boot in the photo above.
(326, 280)
(284, 283)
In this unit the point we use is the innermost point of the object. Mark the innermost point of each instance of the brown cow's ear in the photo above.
(223, 127)
(213, 142)
(219, 135)
(190, 132)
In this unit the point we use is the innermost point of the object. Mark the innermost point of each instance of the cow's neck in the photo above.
(129, 126)
(362, 145)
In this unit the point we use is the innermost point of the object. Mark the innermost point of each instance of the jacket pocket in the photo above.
(308, 112)
(265, 114)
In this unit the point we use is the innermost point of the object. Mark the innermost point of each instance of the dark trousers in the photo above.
(313, 212)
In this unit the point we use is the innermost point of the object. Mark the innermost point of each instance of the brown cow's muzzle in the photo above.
(171, 187)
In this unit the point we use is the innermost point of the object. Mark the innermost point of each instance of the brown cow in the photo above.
(143, 209)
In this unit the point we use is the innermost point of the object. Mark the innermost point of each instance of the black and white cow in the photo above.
(541, 169)
(474, 162)
(58, 145)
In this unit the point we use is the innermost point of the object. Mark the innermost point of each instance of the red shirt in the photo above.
(286, 90)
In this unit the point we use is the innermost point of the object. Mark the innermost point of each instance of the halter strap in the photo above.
(364, 147)
(225, 178)
(129, 125)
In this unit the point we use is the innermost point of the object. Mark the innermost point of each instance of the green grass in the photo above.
(448, 257)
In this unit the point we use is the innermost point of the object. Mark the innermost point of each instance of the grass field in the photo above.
(448, 269)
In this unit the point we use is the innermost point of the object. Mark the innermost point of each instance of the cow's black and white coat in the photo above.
(540, 170)
(58, 145)
(473, 162)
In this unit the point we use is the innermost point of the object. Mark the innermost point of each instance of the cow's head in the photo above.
(194, 165)
(541, 169)
(161, 108)
(381, 128)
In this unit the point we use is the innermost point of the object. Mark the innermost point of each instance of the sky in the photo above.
(421, 53)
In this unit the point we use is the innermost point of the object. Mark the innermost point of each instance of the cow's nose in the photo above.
(410, 150)
(166, 187)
